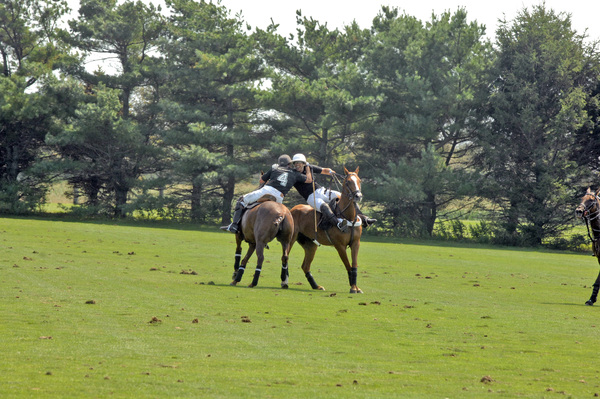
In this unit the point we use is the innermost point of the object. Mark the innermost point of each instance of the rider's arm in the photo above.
(309, 176)
(265, 177)
(321, 171)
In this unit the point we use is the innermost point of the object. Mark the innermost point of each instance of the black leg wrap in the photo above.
(255, 279)
(284, 273)
(311, 281)
(239, 274)
(352, 275)
(594, 296)
(236, 262)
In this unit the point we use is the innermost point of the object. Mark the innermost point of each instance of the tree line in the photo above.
(190, 102)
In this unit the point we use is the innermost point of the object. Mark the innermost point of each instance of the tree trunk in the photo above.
(323, 154)
(13, 162)
(120, 200)
(196, 202)
(229, 192)
(429, 213)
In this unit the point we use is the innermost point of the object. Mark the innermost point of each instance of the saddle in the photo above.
(264, 198)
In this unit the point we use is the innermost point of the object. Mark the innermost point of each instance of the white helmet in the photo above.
(299, 158)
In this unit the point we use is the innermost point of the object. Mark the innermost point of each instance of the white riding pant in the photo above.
(256, 194)
(323, 196)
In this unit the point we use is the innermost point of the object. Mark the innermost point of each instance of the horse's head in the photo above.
(352, 186)
(589, 207)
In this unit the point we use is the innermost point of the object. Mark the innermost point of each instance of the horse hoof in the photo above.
(321, 288)
(589, 303)
(251, 286)
(233, 283)
(284, 286)
(356, 291)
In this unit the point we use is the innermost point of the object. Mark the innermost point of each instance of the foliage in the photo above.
(121, 147)
(536, 105)
(209, 107)
(432, 78)
(102, 153)
(322, 98)
(190, 104)
(30, 52)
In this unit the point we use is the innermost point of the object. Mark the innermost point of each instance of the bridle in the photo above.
(352, 195)
(590, 215)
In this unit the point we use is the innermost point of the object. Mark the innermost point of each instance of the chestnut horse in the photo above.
(347, 236)
(589, 211)
(259, 226)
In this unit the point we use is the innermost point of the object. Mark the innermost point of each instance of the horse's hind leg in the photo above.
(310, 249)
(242, 267)
(238, 257)
(284, 265)
(260, 255)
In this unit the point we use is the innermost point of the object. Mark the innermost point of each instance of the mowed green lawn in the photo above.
(101, 310)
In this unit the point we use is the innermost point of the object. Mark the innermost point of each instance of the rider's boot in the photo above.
(237, 216)
(329, 219)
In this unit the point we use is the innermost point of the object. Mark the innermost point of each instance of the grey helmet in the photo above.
(284, 160)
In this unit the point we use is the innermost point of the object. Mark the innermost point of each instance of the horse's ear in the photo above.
(346, 170)
(589, 191)
(356, 171)
(597, 192)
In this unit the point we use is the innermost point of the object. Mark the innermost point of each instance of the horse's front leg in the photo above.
(310, 249)
(260, 255)
(353, 274)
(243, 263)
(594, 296)
(351, 269)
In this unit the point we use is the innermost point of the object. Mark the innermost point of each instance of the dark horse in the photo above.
(589, 210)
(348, 236)
(259, 226)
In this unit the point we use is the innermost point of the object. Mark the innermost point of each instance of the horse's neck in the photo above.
(595, 226)
(347, 208)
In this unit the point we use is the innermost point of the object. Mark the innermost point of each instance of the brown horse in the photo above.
(259, 226)
(347, 236)
(589, 210)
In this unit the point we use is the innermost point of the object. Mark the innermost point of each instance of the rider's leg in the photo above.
(367, 221)
(323, 198)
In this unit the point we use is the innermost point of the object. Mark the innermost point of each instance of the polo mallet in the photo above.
(317, 243)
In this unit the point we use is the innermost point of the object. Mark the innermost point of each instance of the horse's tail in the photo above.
(279, 220)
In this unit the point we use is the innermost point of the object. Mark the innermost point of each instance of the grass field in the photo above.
(105, 310)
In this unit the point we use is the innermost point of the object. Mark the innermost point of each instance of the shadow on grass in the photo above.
(565, 304)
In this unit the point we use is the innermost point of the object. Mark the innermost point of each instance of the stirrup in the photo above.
(232, 228)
